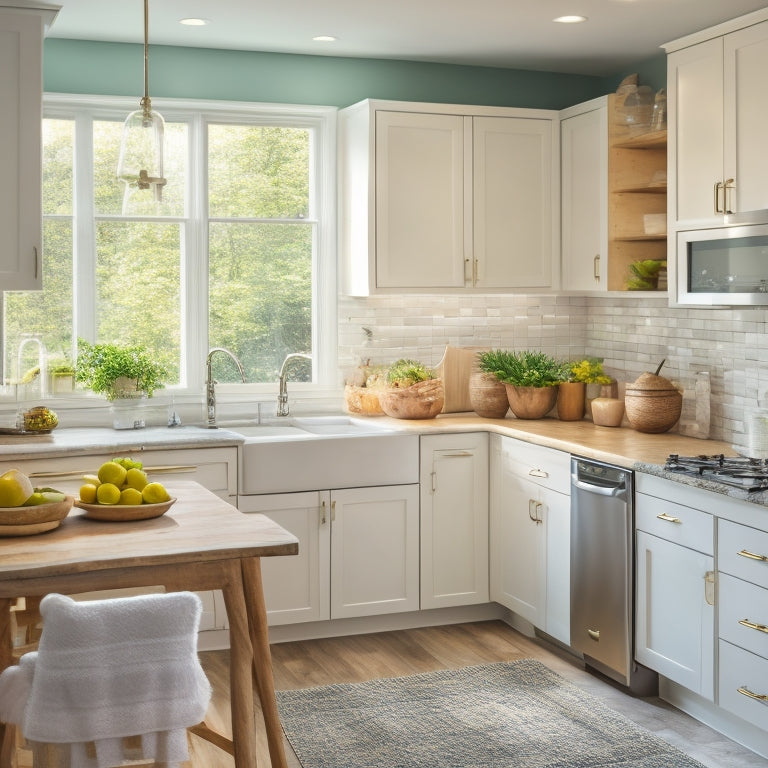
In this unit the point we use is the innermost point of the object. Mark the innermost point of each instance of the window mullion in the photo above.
(84, 232)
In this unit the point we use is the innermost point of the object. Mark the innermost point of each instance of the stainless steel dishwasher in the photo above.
(602, 573)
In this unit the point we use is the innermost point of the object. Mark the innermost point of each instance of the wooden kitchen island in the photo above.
(201, 543)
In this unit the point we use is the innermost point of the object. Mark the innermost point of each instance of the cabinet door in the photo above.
(584, 200)
(297, 588)
(695, 98)
(518, 544)
(746, 117)
(419, 200)
(454, 520)
(21, 89)
(374, 550)
(674, 623)
(512, 188)
(557, 526)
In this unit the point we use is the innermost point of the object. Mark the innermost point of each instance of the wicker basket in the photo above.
(652, 403)
(419, 401)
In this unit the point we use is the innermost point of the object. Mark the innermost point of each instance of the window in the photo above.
(239, 254)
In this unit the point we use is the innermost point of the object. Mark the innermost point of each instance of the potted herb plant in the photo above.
(412, 392)
(118, 371)
(61, 375)
(530, 377)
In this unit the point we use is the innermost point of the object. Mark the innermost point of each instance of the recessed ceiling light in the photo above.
(570, 19)
(324, 39)
(195, 22)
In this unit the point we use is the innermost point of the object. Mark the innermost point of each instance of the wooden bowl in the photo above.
(25, 521)
(420, 401)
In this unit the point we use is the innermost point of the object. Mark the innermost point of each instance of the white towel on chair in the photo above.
(106, 669)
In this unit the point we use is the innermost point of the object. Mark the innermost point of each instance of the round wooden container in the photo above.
(652, 403)
(488, 396)
(607, 411)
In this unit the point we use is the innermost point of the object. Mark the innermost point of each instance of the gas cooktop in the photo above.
(734, 471)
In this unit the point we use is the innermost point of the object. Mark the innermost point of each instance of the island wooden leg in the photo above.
(262, 659)
(240, 666)
(7, 732)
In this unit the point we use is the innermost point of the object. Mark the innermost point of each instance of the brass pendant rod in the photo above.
(145, 101)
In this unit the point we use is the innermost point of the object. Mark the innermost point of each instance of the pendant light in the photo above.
(140, 166)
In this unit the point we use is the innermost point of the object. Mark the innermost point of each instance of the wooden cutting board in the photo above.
(455, 369)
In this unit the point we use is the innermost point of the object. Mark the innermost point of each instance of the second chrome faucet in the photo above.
(282, 395)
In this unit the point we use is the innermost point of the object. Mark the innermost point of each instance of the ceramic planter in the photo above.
(488, 396)
(571, 398)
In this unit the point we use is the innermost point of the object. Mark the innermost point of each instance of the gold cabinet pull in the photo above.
(323, 518)
(333, 510)
(753, 556)
(718, 188)
(537, 473)
(730, 184)
(594, 634)
(709, 587)
(475, 270)
(746, 692)
(753, 625)
(596, 268)
(533, 510)
(669, 518)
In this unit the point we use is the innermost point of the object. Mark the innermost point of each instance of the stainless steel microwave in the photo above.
(724, 266)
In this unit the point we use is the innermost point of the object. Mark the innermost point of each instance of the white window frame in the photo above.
(194, 291)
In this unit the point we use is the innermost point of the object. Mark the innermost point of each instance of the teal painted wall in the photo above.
(86, 67)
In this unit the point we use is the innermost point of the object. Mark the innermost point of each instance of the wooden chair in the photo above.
(129, 665)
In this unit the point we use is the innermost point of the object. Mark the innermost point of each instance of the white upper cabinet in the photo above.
(441, 197)
(21, 89)
(584, 192)
(717, 159)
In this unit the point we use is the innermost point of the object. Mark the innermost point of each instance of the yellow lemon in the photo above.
(136, 478)
(154, 493)
(15, 488)
(108, 493)
(91, 480)
(112, 472)
(88, 493)
(130, 496)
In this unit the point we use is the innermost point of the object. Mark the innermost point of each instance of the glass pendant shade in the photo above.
(140, 165)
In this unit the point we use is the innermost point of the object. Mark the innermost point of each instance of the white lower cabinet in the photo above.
(743, 621)
(358, 553)
(530, 533)
(675, 591)
(454, 520)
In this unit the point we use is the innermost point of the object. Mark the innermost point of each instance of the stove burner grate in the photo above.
(735, 471)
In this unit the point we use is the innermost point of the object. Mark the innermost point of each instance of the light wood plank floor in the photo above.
(390, 654)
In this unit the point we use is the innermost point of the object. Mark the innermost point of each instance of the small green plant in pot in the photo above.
(412, 392)
(531, 378)
(118, 371)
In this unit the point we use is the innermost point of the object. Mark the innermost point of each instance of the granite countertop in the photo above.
(83, 441)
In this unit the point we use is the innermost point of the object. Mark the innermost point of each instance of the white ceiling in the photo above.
(497, 33)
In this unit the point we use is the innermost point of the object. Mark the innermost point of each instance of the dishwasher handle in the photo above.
(613, 491)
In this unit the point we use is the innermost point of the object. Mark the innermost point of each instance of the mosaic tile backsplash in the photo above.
(632, 335)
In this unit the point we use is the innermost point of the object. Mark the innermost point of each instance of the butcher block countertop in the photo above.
(622, 446)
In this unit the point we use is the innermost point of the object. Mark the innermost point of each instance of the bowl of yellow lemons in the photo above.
(121, 491)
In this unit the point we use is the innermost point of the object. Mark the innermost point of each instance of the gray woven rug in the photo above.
(506, 715)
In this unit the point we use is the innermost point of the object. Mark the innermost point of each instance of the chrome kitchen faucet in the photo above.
(282, 396)
(210, 384)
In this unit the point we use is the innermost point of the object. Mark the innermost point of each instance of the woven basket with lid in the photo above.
(652, 403)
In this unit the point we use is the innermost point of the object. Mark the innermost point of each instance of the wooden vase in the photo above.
(488, 396)
(571, 398)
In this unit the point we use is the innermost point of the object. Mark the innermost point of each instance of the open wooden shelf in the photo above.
(635, 165)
